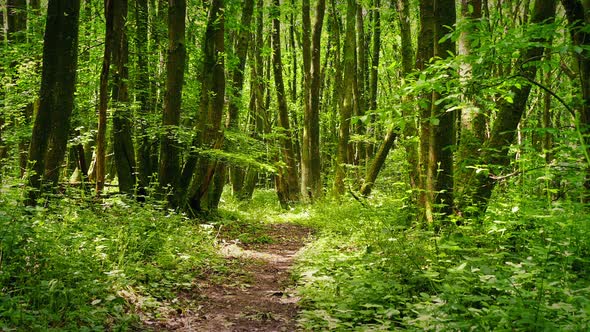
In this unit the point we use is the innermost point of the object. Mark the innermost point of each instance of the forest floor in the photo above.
(254, 294)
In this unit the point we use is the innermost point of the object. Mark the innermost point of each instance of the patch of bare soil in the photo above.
(256, 297)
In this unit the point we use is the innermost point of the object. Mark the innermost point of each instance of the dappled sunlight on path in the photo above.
(256, 296)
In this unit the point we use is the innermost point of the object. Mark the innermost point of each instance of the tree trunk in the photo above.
(576, 12)
(16, 32)
(425, 52)
(258, 106)
(235, 101)
(169, 170)
(472, 133)
(347, 108)
(495, 152)
(311, 182)
(101, 141)
(58, 82)
(210, 135)
(122, 115)
(143, 141)
(288, 184)
(410, 128)
(378, 162)
(441, 147)
(360, 128)
(374, 74)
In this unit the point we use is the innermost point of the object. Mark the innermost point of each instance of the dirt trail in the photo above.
(258, 299)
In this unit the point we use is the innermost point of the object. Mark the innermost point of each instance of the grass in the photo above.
(371, 269)
(81, 266)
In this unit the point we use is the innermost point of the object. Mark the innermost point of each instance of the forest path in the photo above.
(256, 296)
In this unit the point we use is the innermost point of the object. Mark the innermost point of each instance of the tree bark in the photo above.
(578, 19)
(288, 183)
(143, 141)
(101, 141)
(258, 106)
(374, 73)
(472, 130)
(58, 82)
(495, 151)
(441, 147)
(235, 101)
(122, 115)
(424, 53)
(410, 129)
(169, 169)
(209, 130)
(311, 182)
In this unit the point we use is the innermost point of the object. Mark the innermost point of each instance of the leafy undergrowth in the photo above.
(93, 267)
(371, 268)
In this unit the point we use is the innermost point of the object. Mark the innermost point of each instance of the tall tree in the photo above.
(144, 158)
(209, 134)
(287, 180)
(425, 52)
(409, 128)
(496, 148)
(235, 101)
(169, 170)
(348, 104)
(472, 121)
(101, 140)
(443, 138)
(578, 16)
(58, 82)
(124, 151)
(311, 181)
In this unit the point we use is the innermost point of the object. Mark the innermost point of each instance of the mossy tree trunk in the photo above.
(58, 81)
(348, 104)
(496, 149)
(578, 16)
(124, 151)
(235, 99)
(169, 168)
(287, 179)
(143, 83)
(311, 181)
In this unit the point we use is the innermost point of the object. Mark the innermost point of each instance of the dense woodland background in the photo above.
(461, 128)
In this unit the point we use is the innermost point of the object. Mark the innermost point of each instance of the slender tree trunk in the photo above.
(374, 74)
(360, 128)
(441, 147)
(144, 167)
(169, 170)
(578, 18)
(410, 129)
(258, 108)
(210, 135)
(311, 182)
(495, 152)
(378, 162)
(288, 183)
(122, 115)
(58, 82)
(348, 104)
(235, 102)
(16, 32)
(425, 52)
(472, 133)
(101, 140)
